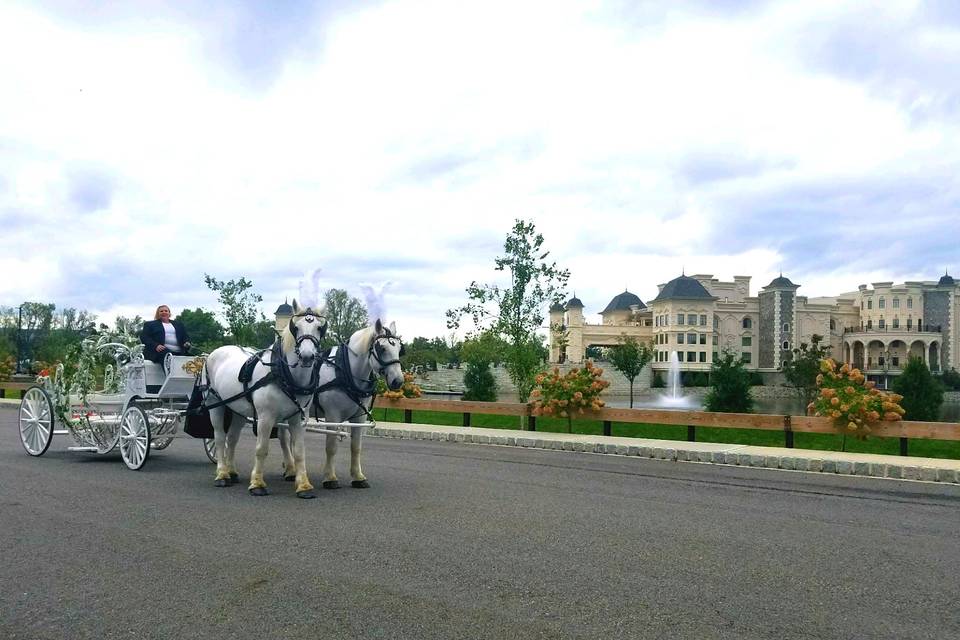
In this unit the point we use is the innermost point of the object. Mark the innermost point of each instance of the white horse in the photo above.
(346, 390)
(279, 387)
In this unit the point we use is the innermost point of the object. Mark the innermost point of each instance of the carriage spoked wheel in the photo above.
(134, 437)
(210, 448)
(36, 421)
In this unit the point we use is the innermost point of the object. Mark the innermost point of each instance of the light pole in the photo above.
(19, 339)
(886, 368)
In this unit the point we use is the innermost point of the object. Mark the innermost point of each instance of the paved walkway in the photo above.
(811, 460)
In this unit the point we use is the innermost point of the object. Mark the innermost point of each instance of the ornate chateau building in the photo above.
(875, 329)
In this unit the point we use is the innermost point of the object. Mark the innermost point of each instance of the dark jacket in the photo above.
(153, 334)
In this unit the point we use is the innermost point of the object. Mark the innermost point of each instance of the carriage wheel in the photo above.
(160, 443)
(36, 421)
(134, 438)
(210, 448)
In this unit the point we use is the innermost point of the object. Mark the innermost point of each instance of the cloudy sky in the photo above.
(143, 144)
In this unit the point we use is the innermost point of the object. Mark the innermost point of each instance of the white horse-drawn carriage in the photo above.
(140, 410)
(148, 405)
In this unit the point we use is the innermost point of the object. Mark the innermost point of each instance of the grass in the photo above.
(815, 441)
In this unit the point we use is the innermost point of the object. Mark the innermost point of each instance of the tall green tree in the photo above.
(479, 353)
(629, 356)
(922, 393)
(730, 385)
(202, 327)
(515, 311)
(802, 368)
(345, 315)
(239, 306)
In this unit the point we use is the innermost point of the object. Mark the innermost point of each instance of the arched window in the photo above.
(747, 323)
(833, 324)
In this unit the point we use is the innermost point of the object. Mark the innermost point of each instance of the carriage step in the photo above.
(93, 449)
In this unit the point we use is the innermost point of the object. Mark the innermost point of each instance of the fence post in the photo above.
(691, 433)
(466, 419)
(3, 393)
(606, 427)
(903, 447)
(408, 415)
(788, 432)
(532, 423)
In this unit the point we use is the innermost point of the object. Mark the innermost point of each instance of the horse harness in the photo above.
(344, 380)
(278, 374)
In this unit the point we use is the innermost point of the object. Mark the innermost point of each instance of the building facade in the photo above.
(695, 318)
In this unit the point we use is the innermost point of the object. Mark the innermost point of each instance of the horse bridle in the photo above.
(376, 350)
(308, 317)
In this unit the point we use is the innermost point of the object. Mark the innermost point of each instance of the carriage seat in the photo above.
(153, 376)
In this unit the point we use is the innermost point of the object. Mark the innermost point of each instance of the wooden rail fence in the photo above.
(904, 430)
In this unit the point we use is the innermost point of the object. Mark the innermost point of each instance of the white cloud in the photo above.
(407, 145)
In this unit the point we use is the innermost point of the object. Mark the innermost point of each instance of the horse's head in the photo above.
(304, 332)
(385, 351)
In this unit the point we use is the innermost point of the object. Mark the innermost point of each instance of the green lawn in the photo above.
(820, 441)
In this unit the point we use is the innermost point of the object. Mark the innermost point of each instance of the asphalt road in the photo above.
(468, 541)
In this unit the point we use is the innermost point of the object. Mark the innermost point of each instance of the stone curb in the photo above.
(802, 460)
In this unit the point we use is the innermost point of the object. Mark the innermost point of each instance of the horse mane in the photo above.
(287, 342)
(361, 339)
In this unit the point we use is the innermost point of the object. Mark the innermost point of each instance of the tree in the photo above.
(202, 327)
(629, 357)
(730, 385)
(132, 326)
(922, 393)
(515, 311)
(479, 352)
(802, 369)
(240, 308)
(345, 315)
(561, 339)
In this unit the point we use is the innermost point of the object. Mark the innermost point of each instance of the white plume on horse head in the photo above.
(374, 297)
(310, 290)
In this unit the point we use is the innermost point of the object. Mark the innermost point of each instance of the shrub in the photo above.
(478, 382)
(7, 366)
(696, 379)
(657, 381)
(756, 379)
(851, 400)
(950, 380)
(562, 396)
(730, 389)
(922, 393)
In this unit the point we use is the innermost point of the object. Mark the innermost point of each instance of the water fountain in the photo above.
(674, 398)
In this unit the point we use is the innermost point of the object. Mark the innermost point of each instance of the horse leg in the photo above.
(304, 488)
(356, 473)
(222, 478)
(233, 437)
(287, 464)
(264, 426)
(329, 470)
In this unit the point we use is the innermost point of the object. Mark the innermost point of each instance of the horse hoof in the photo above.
(289, 478)
(331, 484)
(234, 478)
(306, 495)
(360, 484)
(221, 482)
(259, 491)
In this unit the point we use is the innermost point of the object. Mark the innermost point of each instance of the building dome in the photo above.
(556, 307)
(574, 302)
(623, 302)
(284, 310)
(945, 281)
(780, 282)
(685, 288)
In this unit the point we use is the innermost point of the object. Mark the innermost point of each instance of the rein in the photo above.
(345, 381)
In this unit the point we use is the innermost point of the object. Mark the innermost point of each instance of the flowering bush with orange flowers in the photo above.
(410, 389)
(563, 396)
(7, 367)
(851, 400)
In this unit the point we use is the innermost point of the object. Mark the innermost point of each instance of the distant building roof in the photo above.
(574, 302)
(556, 306)
(684, 287)
(946, 281)
(781, 282)
(623, 302)
(284, 310)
